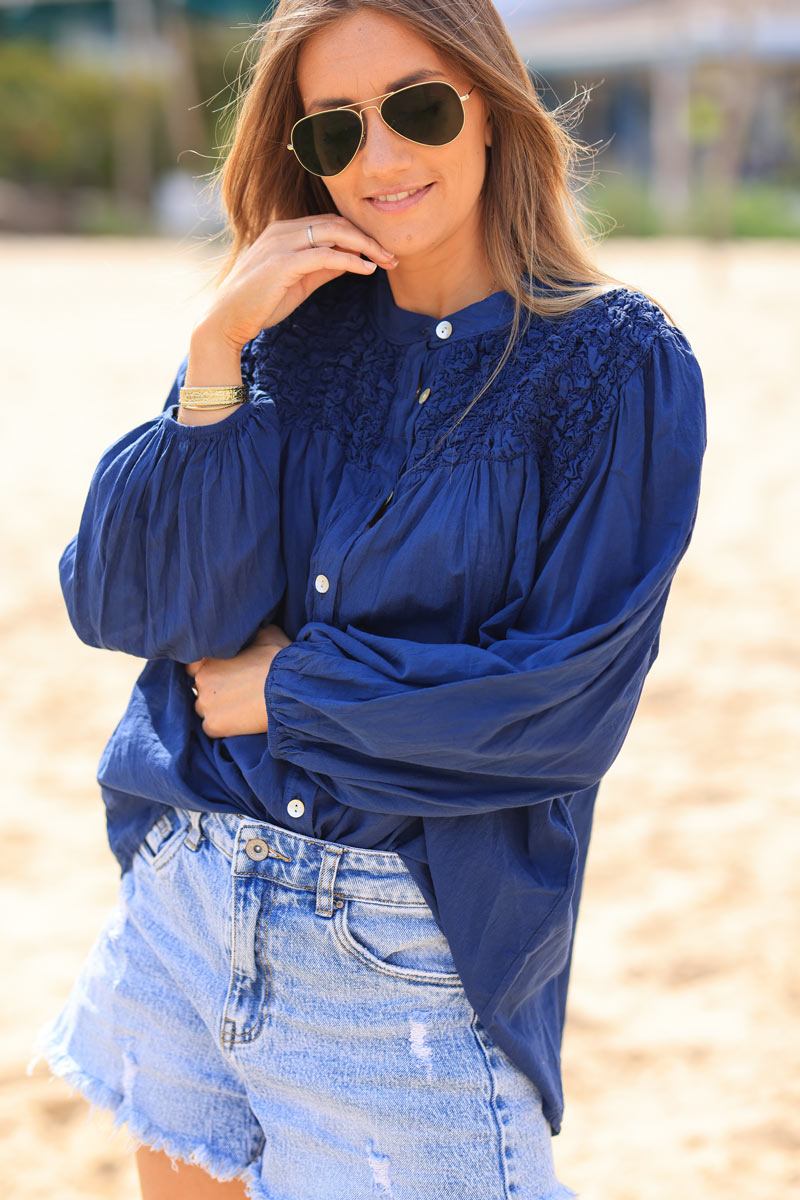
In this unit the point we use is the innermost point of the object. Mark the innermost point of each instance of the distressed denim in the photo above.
(286, 1011)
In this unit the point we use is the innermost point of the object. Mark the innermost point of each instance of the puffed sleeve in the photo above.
(393, 726)
(178, 551)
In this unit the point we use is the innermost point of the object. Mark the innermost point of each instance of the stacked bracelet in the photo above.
(213, 397)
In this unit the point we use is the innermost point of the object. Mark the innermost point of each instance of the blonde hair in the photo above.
(535, 240)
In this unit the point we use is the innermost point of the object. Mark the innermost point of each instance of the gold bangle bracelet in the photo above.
(213, 397)
(213, 407)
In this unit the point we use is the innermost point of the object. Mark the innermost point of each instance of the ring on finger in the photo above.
(195, 691)
(310, 232)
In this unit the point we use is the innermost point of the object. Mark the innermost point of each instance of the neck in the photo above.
(441, 281)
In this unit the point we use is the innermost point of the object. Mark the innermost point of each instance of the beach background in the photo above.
(681, 1057)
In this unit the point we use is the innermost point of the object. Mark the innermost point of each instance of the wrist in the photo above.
(213, 362)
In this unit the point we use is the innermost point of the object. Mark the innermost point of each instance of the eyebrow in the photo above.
(343, 102)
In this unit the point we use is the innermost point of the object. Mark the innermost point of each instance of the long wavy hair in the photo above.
(535, 229)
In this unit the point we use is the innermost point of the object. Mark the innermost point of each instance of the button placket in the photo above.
(428, 356)
(418, 373)
(322, 598)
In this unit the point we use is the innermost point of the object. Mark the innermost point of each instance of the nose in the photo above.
(380, 145)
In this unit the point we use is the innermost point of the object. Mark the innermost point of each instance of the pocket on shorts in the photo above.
(399, 940)
(164, 838)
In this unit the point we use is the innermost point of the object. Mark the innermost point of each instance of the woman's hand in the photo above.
(230, 691)
(281, 269)
(270, 278)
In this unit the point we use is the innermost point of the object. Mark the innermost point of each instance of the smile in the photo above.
(399, 196)
(399, 200)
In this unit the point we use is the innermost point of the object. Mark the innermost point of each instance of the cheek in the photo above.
(345, 203)
(468, 174)
(335, 199)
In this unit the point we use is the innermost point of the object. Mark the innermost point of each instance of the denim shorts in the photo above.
(286, 1011)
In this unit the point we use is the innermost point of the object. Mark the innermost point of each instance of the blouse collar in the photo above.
(401, 325)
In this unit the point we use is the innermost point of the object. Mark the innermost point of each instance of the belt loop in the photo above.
(195, 835)
(326, 880)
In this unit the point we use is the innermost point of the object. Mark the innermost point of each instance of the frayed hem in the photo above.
(141, 1131)
(255, 1190)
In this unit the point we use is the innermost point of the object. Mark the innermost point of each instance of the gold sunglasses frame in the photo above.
(362, 105)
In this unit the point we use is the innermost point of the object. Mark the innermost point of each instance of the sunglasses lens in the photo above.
(428, 113)
(326, 142)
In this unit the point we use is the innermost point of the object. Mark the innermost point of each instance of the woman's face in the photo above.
(368, 54)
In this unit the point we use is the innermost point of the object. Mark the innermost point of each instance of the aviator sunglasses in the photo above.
(430, 114)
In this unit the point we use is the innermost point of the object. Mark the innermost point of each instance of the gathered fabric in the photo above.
(472, 619)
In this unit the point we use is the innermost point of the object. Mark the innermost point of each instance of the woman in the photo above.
(398, 551)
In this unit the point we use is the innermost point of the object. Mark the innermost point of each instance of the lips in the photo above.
(398, 199)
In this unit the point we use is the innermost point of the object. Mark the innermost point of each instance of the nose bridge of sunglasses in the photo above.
(376, 123)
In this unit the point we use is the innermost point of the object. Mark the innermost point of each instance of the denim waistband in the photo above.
(334, 871)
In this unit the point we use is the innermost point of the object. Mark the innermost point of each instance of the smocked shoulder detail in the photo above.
(555, 396)
(592, 357)
(327, 370)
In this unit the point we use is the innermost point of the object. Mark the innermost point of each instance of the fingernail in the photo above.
(370, 266)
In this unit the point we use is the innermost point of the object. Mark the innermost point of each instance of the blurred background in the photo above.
(682, 1053)
(112, 111)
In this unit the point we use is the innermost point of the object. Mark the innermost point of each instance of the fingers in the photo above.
(329, 230)
(271, 635)
(338, 233)
(229, 692)
(191, 670)
(328, 258)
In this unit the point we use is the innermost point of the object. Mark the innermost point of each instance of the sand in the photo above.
(681, 1054)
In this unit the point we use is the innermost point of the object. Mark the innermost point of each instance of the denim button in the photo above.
(256, 849)
(295, 807)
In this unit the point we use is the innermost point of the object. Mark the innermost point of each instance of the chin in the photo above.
(405, 243)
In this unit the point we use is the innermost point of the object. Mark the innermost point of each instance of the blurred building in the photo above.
(55, 18)
(109, 110)
(699, 98)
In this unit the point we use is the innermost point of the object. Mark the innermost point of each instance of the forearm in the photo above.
(178, 551)
(213, 362)
(453, 730)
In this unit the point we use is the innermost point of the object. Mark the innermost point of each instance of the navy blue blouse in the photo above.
(472, 619)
